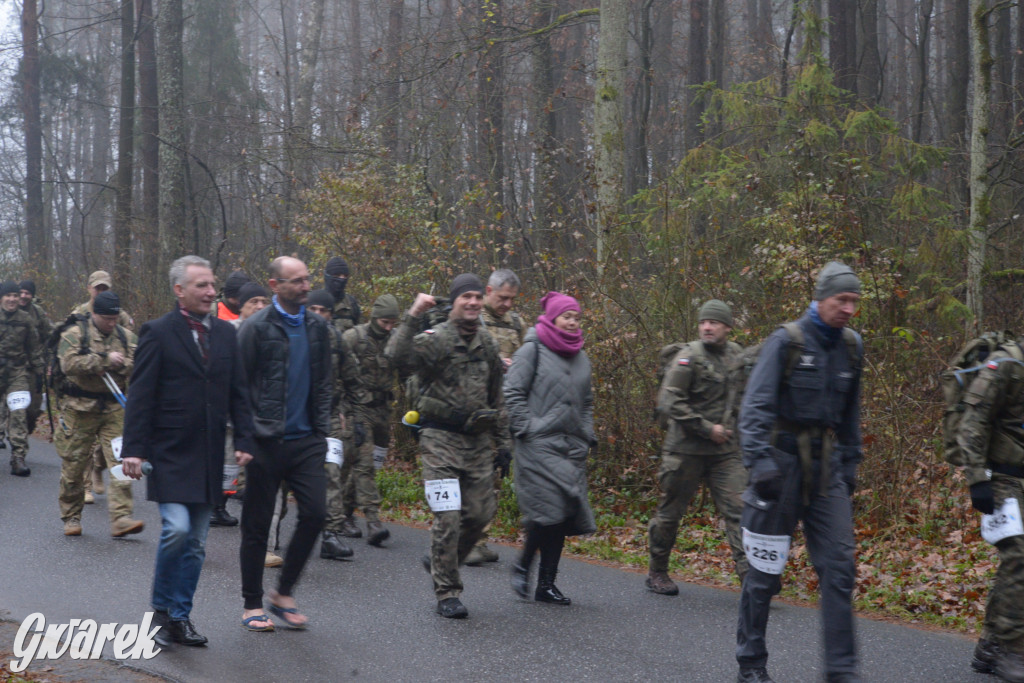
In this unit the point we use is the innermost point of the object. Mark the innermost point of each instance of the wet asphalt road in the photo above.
(373, 619)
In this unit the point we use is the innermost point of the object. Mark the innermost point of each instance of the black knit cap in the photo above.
(467, 282)
(9, 287)
(249, 290)
(106, 303)
(336, 266)
(28, 286)
(233, 285)
(320, 297)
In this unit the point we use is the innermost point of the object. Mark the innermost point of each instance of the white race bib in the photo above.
(42, 404)
(335, 451)
(765, 553)
(1003, 523)
(18, 400)
(115, 447)
(443, 494)
(380, 454)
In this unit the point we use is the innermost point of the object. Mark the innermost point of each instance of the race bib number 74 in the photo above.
(443, 494)
(1003, 523)
(765, 553)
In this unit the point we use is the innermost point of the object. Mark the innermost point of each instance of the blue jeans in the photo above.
(179, 557)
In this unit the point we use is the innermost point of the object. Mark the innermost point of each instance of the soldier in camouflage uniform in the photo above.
(345, 314)
(27, 292)
(20, 355)
(698, 397)
(89, 351)
(991, 440)
(370, 402)
(99, 281)
(461, 416)
(333, 545)
(508, 330)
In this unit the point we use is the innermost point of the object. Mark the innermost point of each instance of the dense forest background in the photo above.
(644, 155)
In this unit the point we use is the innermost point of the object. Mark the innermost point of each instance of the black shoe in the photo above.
(521, 580)
(18, 468)
(986, 652)
(756, 674)
(184, 633)
(452, 608)
(550, 593)
(163, 636)
(333, 548)
(842, 677)
(349, 528)
(376, 533)
(221, 516)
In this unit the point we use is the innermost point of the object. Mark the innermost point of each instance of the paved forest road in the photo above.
(373, 619)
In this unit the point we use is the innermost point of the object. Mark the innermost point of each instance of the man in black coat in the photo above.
(188, 380)
(286, 353)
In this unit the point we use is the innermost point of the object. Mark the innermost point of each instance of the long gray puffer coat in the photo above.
(551, 416)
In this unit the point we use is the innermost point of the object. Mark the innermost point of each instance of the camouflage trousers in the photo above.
(470, 459)
(234, 476)
(17, 420)
(81, 430)
(1004, 615)
(359, 473)
(679, 477)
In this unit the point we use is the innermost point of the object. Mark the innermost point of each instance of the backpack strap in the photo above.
(795, 346)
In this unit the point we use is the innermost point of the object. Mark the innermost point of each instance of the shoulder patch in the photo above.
(430, 331)
(684, 361)
(992, 365)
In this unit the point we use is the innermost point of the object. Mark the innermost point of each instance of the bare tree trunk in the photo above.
(490, 106)
(869, 73)
(37, 240)
(1018, 73)
(958, 65)
(1003, 87)
(149, 140)
(638, 122)
(356, 58)
(660, 130)
(696, 73)
(543, 126)
(924, 22)
(172, 226)
(981, 66)
(609, 157)
(309, 52)
(842, 54)
(392, 89)
(125, 150)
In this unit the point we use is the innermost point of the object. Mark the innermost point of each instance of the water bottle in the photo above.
(117, 472)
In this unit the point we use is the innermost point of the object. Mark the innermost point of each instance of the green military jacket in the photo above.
(123, 319)
(85, 370)
(992, 427)
(694, 395)
(42, 322)
(454, 377)
(508, 330)
(345, 314)
(20, 346)
(374, 376)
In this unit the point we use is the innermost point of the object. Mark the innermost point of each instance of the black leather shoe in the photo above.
(221, 516)
(521, 580)
(756, 674)
(184, 633)
(333, 548)
(452, 608)
(549, 593)
(163, 636)
(18, 468)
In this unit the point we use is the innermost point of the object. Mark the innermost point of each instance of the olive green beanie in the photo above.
(716, 309)
(386, 306)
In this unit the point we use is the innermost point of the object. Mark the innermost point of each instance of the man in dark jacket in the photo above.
(800, 435)
(286, 353)
(187, 381)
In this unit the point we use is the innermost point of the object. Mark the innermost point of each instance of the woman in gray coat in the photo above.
(551, 415)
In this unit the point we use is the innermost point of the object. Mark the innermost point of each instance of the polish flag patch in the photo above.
(684, 361)
(992, 365)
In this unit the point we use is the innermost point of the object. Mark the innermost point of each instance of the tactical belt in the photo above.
(434, 424)
(1008, 470)
(69, 389)
(812, 442)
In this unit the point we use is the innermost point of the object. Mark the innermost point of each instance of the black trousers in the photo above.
(300, 463)
(549, 540)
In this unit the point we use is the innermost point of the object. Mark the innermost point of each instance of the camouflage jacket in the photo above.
(346, 313)
(508, 330)
(42, 322)
(85, 370)
(992, 428)
(694, 395)
(374, 377)
(455, 378)
(123, 319)
(20, 346)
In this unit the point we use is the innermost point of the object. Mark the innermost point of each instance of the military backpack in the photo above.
(962, 370)
(56, 381)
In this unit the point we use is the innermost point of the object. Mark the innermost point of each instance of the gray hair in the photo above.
(179, 269)
(500, 278)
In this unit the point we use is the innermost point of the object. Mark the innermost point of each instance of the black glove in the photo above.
(767, 484)
(982, 498)
(39, 384)
(502, 460)
(359, 434)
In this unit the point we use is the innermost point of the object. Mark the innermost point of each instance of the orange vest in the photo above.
(224, 313)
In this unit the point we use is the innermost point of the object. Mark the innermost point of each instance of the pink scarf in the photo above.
(566, 344)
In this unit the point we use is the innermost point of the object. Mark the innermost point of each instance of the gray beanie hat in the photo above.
(320, 297)
(716, 309)
(835, 278)
(467, 282)
(386, 306)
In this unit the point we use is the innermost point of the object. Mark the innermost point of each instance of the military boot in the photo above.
(220, 515)
(73, 527)
(18, 467)
(376, 533)
(986, 652)
(332, 547)
(452, 608)
(658, 582)
(97, 481)
(480, 554)
(1010, 666)
(122, 526)
(521, 580)
(349, 528)
(754, 674)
